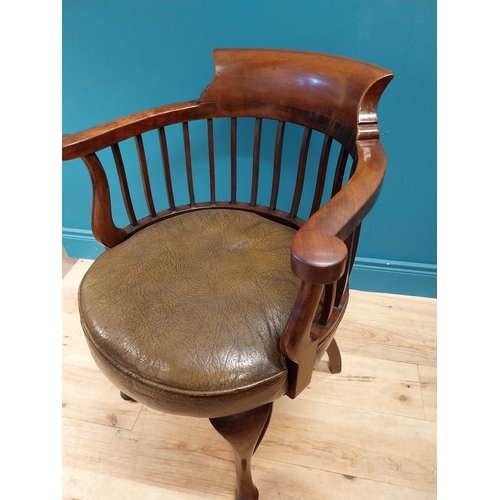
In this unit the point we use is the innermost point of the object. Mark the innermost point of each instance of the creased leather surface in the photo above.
(187, 313)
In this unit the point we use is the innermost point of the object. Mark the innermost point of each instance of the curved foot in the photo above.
(254, 495)
(244, 432)
(126, 398)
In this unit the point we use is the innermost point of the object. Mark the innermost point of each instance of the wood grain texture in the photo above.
(361, 434)
(428, 382)
(369, 384)
(391, 327)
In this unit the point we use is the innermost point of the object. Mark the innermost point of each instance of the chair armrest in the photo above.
(318, 254)
(318, 257)
(96, 138)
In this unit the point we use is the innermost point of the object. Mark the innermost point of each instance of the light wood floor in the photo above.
(367, 433)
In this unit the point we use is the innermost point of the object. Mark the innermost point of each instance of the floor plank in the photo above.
(389, 327)
(145, 465)
(428, 381)
(81, 484)
(90, 397)
(67, 262)
(369, 384)
(381, 447)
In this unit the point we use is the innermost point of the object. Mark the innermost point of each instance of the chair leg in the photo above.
(264, 429)
(244, 433)
(126, 397)
(334, 359)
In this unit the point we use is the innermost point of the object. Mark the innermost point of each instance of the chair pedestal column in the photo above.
(244, 433)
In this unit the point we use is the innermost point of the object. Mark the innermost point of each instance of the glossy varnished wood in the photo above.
(122, 176)
(189, 166)
(146, 183)
(166, 168)
(278, 152)
(244, 432)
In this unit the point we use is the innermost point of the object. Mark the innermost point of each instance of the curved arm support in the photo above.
(317, 253)
(103, 227)
(318, 257)
(296, 342)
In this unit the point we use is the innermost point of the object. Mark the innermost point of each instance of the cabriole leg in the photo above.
(334, 359)
(244, 433)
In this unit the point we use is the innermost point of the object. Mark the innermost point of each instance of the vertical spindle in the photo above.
(339, 171)
(352, 244)
(189, 166)
(233, 160)
(145, 175)
(278, 151)
(122, 177)
(166, 167)
(256, 161)
(320, 183)
(211, 159)
(301, 172)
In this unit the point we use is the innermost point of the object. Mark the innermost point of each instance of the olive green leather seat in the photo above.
(186, 315)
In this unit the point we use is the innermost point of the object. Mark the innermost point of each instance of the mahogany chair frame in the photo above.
(335, 96)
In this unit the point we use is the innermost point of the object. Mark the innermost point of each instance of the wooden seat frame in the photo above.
(335, 96)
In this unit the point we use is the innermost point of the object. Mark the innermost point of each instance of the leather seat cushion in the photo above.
(186, 315)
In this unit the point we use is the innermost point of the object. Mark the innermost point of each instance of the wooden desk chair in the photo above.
(223, 294)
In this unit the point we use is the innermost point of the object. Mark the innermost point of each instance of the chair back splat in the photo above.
(231, 224)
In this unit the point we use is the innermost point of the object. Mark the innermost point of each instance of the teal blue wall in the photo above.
(127, 55)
